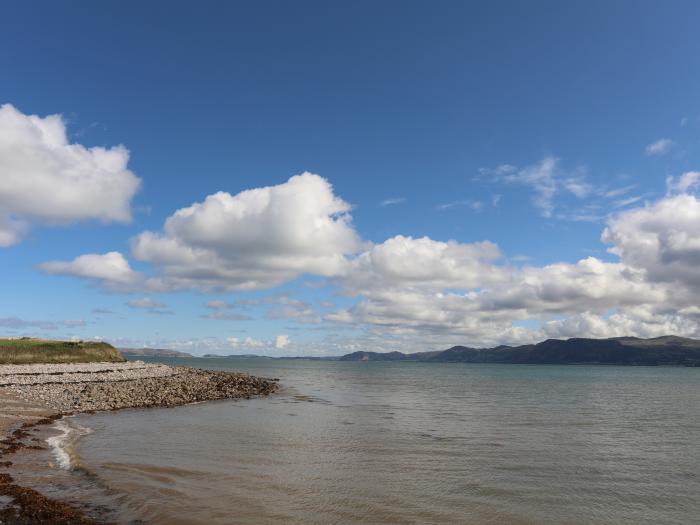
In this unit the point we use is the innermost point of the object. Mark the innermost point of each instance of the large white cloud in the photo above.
(45, 179)
(426, 263)
(662, 239)
(255, 239)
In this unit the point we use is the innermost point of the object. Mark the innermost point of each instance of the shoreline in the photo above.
(33, 396)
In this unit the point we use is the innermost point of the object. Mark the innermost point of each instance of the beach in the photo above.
(36, 395)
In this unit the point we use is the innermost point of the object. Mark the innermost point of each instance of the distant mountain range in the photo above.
(152, 352)
(667, 350)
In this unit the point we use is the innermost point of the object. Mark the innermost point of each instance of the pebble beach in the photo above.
(39, 394)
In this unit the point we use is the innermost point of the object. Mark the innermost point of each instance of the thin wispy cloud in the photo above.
(545, 178)
(683, 183)
(393, 201)
(621, 203)
(660, 147)
(474, 205)
(618, 191)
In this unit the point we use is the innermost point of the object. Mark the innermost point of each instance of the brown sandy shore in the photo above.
(36, 395)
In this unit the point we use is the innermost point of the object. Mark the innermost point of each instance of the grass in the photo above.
(27, 351)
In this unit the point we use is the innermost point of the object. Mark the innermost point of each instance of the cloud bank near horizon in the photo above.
(420, 288)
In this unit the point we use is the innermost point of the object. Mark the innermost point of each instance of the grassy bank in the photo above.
(27, 351)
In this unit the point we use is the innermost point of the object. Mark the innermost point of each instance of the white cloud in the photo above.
(281, 341)
(109, 269)
(660, 147)
(46, 180)
(424, 262)
(414, 288)
(256, 239)
(662, 239)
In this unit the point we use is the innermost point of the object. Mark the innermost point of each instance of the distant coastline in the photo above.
(630, 351)
(624, 351)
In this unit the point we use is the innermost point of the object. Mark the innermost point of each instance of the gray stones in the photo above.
(115, 386)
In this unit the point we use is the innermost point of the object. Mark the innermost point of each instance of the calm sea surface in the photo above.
(404, 443)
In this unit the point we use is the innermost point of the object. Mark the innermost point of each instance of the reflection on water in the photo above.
(411, 443)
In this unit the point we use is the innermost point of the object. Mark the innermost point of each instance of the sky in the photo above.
(316, 178)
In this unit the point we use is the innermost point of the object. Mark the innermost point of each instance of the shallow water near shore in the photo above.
(403, 443)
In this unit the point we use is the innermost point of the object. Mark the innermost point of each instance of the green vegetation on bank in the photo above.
(28, 350)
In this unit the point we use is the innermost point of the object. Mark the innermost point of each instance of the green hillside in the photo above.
(26, 351)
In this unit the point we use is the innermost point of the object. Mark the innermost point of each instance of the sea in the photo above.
(392, 442)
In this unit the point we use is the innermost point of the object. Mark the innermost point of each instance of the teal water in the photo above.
(410, 443)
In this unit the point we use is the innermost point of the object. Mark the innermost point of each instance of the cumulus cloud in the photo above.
(662, 239)
(47, 180)
(424, 262)
(109, 269)
(660, 147)
(413, 287)
(281, 341)
(255, 239)
(486, 315)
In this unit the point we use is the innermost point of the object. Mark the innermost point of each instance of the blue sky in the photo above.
(533, 126)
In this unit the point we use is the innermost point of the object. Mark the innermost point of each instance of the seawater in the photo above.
(347, 442)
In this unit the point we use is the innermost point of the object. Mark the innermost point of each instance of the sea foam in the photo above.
(62, 444)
